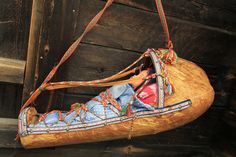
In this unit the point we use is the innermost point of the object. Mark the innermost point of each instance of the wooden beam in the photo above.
(8, 124)
(197, 11)
(12, 70)
(128, 28)
(33, 47)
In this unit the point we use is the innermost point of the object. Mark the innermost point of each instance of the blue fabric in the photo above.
(122, 93)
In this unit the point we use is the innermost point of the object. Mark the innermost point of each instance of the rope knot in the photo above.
(168, 56)
(169, 45)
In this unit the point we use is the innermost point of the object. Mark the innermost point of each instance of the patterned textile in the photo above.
(149, 94)
(95, 110)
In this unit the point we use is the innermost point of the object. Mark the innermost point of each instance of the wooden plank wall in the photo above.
(10, 100)
(127, 29)
(14, 28)
(202, 31)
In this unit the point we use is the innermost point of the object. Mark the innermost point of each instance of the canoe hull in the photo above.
(190, 82)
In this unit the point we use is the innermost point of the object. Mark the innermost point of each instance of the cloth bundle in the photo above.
(122, 93)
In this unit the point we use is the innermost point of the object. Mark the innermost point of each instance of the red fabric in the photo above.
(148, 95)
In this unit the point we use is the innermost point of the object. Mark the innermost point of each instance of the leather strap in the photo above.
(67, 54)
(164, 23)
(72, 48)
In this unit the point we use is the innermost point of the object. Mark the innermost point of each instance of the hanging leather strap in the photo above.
(104, 82)
(67, 54)
(73, 47)
(164, 23)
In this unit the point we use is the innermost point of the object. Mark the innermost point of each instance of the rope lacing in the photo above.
(167, 56)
